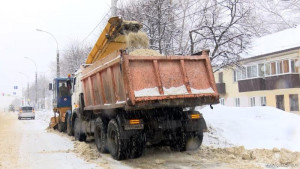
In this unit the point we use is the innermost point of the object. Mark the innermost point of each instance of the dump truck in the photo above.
(127, 102)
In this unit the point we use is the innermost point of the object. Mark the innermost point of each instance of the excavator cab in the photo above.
(62, 91)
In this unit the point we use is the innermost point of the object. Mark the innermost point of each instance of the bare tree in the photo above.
(74, 56)
(276, 15)
(157, 17)
(223, 29)
(43, 91)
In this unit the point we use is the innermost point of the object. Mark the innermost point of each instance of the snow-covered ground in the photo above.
(248, 138)
(252, 127)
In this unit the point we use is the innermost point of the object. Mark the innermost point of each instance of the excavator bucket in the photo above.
(53, 122)
(112, 38)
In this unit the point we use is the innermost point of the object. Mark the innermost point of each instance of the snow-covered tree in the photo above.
(187, 26)
(73, 56)
(224, 29)
(276, 15)
(158, 19)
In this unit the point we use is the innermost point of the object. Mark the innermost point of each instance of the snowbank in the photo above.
(252, 127)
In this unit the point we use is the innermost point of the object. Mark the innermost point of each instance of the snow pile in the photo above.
(137, 40)
(175, 90)
(170, 91)
(144, 52)
(86, 151)
(197, 91)
(252, 127)
(147, 92)
(44, 115)
(236, 157)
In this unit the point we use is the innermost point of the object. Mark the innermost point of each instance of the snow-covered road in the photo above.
(29, 144)
(26, 144)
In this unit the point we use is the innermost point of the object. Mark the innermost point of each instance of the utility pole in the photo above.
(36, 85)
(57, 52)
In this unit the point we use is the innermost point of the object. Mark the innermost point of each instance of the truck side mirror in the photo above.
(50, 86)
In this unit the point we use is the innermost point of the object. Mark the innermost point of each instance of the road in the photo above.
(26, 144)
(29, 144)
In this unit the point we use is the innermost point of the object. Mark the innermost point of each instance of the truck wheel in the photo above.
(116, 145)
(194, 141)
(61, 126)
(78, 134)
(179, 143)
(187, 141)
(70, 130)
(137, 146)
(100, 135)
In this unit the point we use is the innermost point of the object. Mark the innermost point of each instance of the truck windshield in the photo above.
(63, 90)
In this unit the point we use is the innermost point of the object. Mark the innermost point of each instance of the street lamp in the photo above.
(57, 51)
(36, 86)
(26, 76)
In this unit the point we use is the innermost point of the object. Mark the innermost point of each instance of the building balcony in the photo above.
(221, 88)
(284, 81)
(249, 85)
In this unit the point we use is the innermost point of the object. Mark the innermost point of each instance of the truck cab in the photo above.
(62, 91)
(77, 89)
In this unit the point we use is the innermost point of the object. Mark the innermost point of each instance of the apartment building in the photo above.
(268, 74)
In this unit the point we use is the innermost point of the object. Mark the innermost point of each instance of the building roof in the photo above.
(279, 41)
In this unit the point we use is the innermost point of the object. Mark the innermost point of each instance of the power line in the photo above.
(95, 27)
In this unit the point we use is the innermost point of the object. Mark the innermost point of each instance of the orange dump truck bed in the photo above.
(145, 82)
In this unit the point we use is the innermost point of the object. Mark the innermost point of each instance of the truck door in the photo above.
(63, 94)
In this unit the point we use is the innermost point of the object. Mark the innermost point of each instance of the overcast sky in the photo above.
(67, 20)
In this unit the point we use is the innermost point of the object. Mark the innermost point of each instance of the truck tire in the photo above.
(61, 126)
(197, 139)
(137, 146)
(179, 143)
(78, 134)
(116, 145)
(100, 135)
(186, 142)
(70, 130)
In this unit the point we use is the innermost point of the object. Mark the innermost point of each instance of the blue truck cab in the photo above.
(62, 92)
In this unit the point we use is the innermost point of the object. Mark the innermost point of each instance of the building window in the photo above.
(273, 68)
(222, 101)
(286, 67)
(234, 76)
(252, 71)
(263, 101)
(268, 69)
(279, 67)
(221, 77)
(237, 102)
(261, 70)
(252, 101)
(294, 103)
(293, 69)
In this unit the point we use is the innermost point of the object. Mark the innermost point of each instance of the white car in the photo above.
(26, 112)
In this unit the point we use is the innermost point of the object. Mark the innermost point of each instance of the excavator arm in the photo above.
(112, 38)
